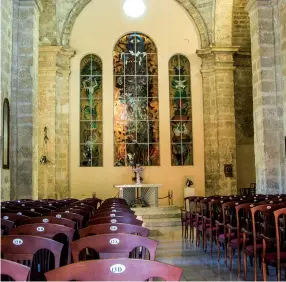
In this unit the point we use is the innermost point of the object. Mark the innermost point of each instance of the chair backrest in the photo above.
(22, 248)
(16, 218)
(26, 212)
(116, 219)
(280, 226)
(6, 225)
(115, 210)
(77, 218)
(46, 230)
(109, 228)
(112, 214)
(50, 219)
(16, 271)
(115, 246)
(115, 270)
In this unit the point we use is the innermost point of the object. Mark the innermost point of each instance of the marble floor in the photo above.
(197, 265)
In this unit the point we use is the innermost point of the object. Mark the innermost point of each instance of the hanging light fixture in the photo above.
(134, 8)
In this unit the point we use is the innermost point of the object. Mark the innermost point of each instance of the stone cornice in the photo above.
(217, 49)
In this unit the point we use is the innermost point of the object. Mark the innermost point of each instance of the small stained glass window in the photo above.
(180, 111)
(136, 102)
(91, 139)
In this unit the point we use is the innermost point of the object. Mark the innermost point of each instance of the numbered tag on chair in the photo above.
(17, 242)
(113, 228)
(114, 241)
(117, 268)
(113, 220)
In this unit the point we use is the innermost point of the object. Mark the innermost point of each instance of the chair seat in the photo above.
(250, 248)
(222, 238)
(200, 227)
(209, 230)
(234, 242)
(272, 257)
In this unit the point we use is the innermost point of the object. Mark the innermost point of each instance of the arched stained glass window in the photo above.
(136, 105)
(91, 111)
(180, 111)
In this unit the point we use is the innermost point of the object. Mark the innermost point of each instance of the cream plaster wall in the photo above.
(96, 30)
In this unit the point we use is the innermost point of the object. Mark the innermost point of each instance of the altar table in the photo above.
(147, 192)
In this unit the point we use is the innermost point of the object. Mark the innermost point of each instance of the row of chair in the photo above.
(239, 223)
(38, 242)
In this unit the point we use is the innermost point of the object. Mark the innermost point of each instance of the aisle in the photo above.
(197, 265)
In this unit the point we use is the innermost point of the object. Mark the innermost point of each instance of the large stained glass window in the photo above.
(180, 111)
(91, 111)
(136, 105)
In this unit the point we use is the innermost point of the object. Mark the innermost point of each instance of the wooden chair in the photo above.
(185, 218)
(263, 224)
(6, 225)
(222, 236)
(16, 271)
(114, 246)
(38, 253)
(56, 232)
(50, 219)
(110, 210)
(77, 218)
(115, 270)
(244, 224)
(210, 227)
(278, 257)
(112, 214)
(109, 228)
(116, 219)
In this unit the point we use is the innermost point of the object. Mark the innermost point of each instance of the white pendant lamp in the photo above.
(134, 8)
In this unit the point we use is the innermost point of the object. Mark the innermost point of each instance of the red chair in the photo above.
(56, 232)
(16, 271)
(109, 228)
(112, 214)
(115, 270)
(116, 219)
(278, 257)
(6, 225)
(114, 246)
(50, 219)
(16, 218)
(77, 218)
(114, 210)
(38, 253)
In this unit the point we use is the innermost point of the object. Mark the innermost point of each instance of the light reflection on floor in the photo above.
(197, 265)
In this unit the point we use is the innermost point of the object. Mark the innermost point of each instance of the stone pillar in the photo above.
(53, 113)
(62, 124)
(219, 118)
(267, 99)
(24, 96)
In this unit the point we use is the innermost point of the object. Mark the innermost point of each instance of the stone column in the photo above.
(267, 99)
(219, 118)
(53, 113)
(24, 96)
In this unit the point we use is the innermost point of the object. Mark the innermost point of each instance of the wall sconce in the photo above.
(44, 158)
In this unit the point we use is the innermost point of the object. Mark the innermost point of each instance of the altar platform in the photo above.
(139, 194)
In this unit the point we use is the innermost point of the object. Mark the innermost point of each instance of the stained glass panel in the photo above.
(91, 111)
(180, 111)
(136, 105)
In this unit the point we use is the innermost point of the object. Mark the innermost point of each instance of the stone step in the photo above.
(155, 209)
(160, 215)
(162, 222)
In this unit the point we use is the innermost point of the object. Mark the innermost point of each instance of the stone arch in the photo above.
(187, 5)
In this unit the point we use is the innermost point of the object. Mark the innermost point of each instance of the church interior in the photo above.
(144, 134)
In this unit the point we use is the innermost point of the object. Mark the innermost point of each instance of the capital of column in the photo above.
(217, 58)
(37, 3)
(254, 4)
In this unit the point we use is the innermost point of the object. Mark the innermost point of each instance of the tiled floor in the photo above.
(197, 265)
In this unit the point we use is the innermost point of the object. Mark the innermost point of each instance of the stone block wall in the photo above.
(6, 17)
